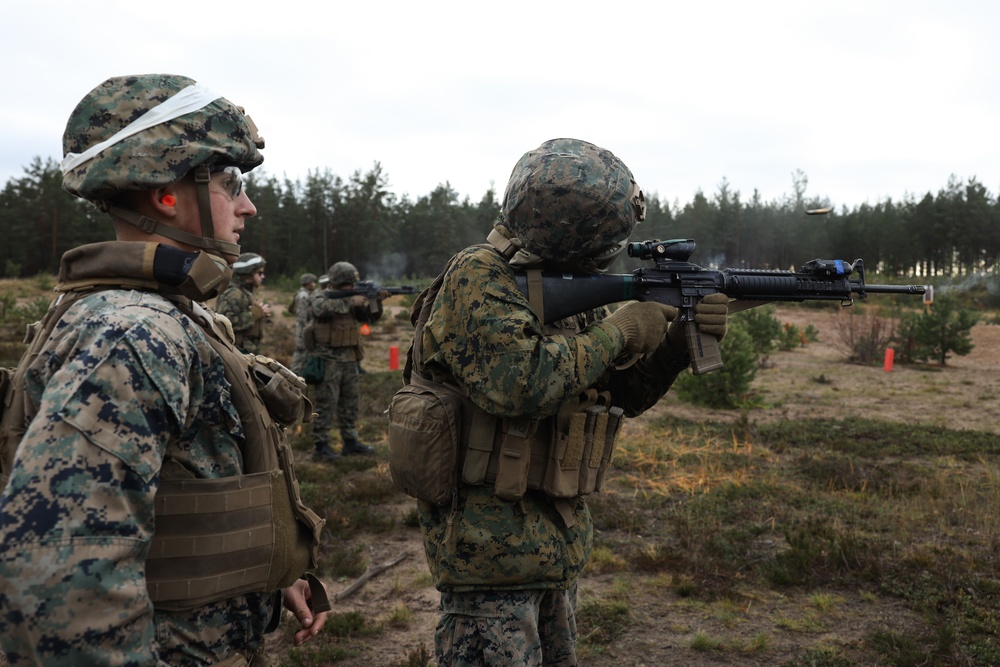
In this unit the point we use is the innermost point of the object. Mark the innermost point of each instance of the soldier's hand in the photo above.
(266, 308)
(359, 301)
(642, 325)
(296, 600)
(383, 295)
(712, 314)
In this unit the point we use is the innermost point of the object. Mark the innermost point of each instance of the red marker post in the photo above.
(889, 355)
(393, 358)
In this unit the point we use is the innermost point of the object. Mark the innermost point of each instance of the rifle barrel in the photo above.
(894, 289)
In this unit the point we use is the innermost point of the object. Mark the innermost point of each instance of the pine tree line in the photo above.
(308, 225)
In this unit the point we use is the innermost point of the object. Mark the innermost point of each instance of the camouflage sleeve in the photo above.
(302, 312)
(234, 303)
(323, 305)
(482, 334)
(640, 386)
(364, 312)
(76, 517)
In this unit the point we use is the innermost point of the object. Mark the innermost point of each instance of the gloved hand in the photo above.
(712, 313)
(383, 294)
(642, 325)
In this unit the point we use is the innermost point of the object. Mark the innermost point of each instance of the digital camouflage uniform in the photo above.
(337, 397)
(239, 304)
(125, 380)
(303, 316)
(129, 398)
(516, 560)
(508, 569)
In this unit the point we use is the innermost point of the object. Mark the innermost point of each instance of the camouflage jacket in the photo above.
(303, 315)
(124, 380)
(242, 309)
(483, 336)
(323, 306)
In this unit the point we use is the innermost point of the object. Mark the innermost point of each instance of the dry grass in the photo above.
(850, 520)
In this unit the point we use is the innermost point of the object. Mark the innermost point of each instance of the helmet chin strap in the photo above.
(207, 241)
(202, 177)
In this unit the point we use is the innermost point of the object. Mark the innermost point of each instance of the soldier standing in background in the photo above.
(300, 308)
(337, 317)
(245, 311)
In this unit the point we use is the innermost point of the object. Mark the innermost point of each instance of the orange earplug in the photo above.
(168, 200)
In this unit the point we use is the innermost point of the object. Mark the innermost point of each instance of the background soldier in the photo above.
(336, 321)
(245, 311)
(507, 551)
(126, 413)
(300, 308)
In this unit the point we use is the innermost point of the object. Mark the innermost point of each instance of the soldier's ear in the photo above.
(163, 200)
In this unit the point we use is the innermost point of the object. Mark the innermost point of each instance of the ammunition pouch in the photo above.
(336, 331)
(438, 439)
(282, 391)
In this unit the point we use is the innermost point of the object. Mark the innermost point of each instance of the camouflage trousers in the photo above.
(336, 399)
(532, 628)
(299, 357)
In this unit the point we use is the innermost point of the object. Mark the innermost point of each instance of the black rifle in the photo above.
(677, 282)
(370, 290)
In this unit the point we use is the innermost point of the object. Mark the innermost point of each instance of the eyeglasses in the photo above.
(230, 178)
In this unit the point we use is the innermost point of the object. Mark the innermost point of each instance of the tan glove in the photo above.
(642, 325)
(711, 315)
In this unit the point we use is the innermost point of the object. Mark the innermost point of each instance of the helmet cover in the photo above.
(343, 273)
(248, 263)
(216, 133)
(569, 199)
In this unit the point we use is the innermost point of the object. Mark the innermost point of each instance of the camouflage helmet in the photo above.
(142, 132)
(248, 263)
(307, 278)
(569, 200)
(343, 273)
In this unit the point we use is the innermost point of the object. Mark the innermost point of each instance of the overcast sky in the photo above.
(869, 99)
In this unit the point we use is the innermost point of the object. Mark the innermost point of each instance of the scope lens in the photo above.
(638, 249)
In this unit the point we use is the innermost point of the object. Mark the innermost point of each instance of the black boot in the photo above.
(324, 454)
(352, 447)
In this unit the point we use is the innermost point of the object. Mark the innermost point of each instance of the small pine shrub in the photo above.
(761, 325)
(729, 387)
(942, 329)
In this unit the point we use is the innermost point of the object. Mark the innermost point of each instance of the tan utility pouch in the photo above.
(615, 421)
(282, 391)
(424, 432)
(515, 458)
(582, 447)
